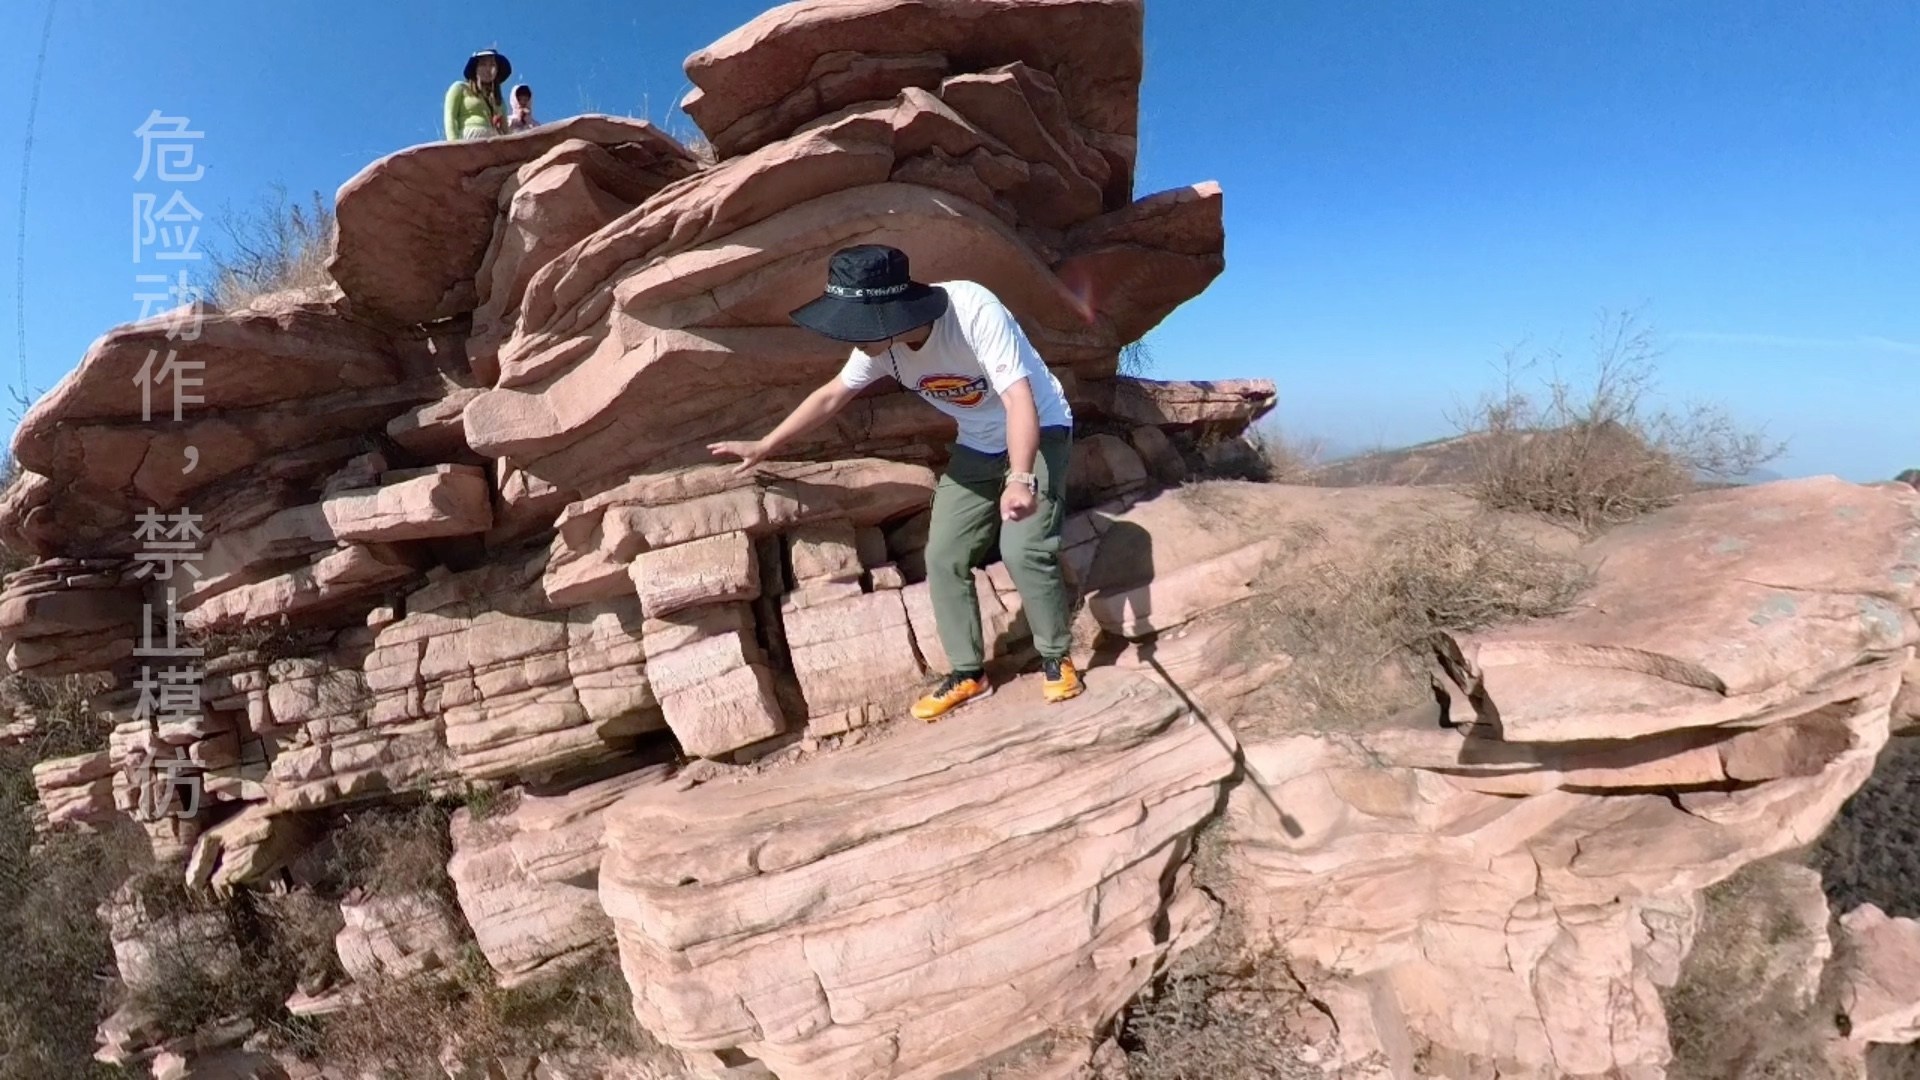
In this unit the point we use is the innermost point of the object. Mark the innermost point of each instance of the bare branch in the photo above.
(1599, 451)
(275, 247)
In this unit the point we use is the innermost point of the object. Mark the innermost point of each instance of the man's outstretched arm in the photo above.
(817, 409)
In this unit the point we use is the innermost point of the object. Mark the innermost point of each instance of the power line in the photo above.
(26, 162)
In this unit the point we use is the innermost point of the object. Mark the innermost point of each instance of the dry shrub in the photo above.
(1223, 1011)
(55, 983)
(488, 801)
(1137, 359)
(302, 926)
(275, 944)
(400, 1028)
(267, 641)
(1602, 454)
(233, 957)
(1732, 1016)
(61, 710)
(1225, 1024)
(1351, 630)
(218, 958)
(1263, 454)
(56, 978)
(1288, 460)
(278, 246)
(396, 851)
(11, 561)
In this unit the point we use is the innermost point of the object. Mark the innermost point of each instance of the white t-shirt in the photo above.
(976, 351)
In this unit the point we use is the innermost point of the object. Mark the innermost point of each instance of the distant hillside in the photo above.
(1437, 463)
(1443, 462)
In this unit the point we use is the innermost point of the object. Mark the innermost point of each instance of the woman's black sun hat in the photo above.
(871, 297)
(500, 76)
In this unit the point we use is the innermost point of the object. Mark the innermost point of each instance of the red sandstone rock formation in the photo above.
(468, 491)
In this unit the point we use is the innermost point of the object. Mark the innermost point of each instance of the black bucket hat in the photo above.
(871, 296)
(506, 66)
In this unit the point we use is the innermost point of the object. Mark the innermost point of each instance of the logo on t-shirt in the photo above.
(955, 389)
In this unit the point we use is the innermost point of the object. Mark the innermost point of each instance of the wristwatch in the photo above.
(1024, 479)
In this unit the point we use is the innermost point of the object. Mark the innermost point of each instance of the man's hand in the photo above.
(1017, 503)
(749, 453)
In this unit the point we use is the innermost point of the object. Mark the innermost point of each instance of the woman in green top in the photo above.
(474, 109)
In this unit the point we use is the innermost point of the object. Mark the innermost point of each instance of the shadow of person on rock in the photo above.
(1116, 586)
(1118, 589)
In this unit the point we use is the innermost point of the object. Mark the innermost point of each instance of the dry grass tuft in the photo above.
(401, 1027)
(1603, 454)
(1459, 576)
(702, 150)
(279, 246)
(487, 801)
(268, 642)
(1263, 454)
(1287, 460)
(1361, 638)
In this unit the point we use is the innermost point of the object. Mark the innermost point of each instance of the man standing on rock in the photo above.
(959, 347)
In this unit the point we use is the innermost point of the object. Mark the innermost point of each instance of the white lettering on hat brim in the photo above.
(845, 293)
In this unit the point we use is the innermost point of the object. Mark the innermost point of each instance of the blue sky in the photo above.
(1411, 186)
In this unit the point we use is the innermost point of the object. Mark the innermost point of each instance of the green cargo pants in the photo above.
(966, 518)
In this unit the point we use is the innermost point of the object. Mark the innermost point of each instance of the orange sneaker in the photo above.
(953, 692)
(1063, 681)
